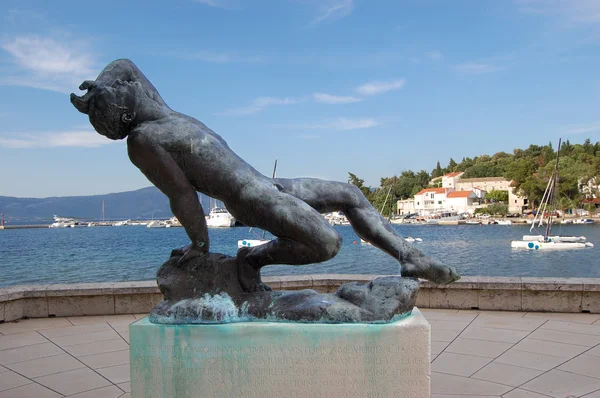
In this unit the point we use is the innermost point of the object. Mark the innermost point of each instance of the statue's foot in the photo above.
(431, 270)
(249, 276)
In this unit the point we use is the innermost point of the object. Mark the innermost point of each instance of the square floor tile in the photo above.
(102, 392)
(480, 348)
(106, 359)
(506, 374)
(121, 326)
(125, 387)
(10, 380)
(29, 352)
(20, 340)
(124, 336)
(46, 366)
(457, 364)
(116, 374)
(32, 390)
(457, 385)
(66, 341)
(587, 340)
(452, 315)
(550, 348)
(30, 325)
(518, 393)
(100, 347)
(512, 323)
(595, 394)
(497, 335)
(559, 384)
(530, 360)
(594, 351)
(74, 381)
(557, 316)
(573, 327)
(585, 365)
(448, 325)
(438, 346)
(443, 335)
(87, 320)
(75, 330)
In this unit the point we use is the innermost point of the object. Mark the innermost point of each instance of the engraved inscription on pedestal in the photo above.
(282, 360)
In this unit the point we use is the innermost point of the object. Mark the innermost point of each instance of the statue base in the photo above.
(274, 360)
(206, 291)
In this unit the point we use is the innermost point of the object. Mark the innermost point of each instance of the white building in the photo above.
(430, 200)
(451, 179)
(462, 201)
(406, 206)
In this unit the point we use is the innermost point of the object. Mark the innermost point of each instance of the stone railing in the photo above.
(475, 292)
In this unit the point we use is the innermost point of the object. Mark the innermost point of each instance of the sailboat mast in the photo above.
(552, 195)
(274, 173)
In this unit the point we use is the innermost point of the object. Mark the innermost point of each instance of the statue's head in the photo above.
(111, 108)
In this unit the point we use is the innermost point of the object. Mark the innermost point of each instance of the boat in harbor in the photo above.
(408, 239)
(442, 217)
(158, 224)
(583, 221)
(546, 214)
(62, 222)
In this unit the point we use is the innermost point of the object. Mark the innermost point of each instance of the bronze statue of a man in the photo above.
(180, 155)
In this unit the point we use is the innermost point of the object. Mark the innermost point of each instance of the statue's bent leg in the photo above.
(326, 196)
(304, 237)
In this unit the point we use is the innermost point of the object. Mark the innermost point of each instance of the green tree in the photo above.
(497, 196)
(437, 172)
(354, 180)
(451, 165)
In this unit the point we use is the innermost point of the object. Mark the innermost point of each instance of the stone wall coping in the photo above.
(305, 282)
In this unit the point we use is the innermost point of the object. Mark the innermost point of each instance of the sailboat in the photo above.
(262, 240)
(408, 239)
(547, 241)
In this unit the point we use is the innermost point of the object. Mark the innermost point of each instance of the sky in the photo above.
(326, 87)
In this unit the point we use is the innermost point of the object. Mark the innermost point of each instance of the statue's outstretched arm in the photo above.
(162, 170)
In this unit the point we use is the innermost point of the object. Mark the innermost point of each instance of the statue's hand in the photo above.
(190, 252)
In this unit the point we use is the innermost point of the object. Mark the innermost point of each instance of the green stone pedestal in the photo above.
(281, 360)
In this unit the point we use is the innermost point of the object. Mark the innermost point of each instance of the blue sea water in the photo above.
(132, 253)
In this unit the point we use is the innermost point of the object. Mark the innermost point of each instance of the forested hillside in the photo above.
(529, 168)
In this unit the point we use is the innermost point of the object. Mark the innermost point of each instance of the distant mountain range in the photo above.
(145, 203)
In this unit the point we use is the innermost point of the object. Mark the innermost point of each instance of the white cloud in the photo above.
(334, 99)
(477, 67)
(435, 55)
(259, 104)
(78, 139)
(345, 124)
(573, 11)
(584, 129)
(334, 9)
(47, 64)
(373, 88)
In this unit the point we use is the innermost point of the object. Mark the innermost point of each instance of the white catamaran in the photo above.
(547, 241)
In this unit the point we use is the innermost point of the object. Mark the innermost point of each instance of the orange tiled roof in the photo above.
(456, 173)
(435, 190)
(459, 194)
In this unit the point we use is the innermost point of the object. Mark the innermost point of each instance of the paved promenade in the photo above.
(474, 354)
